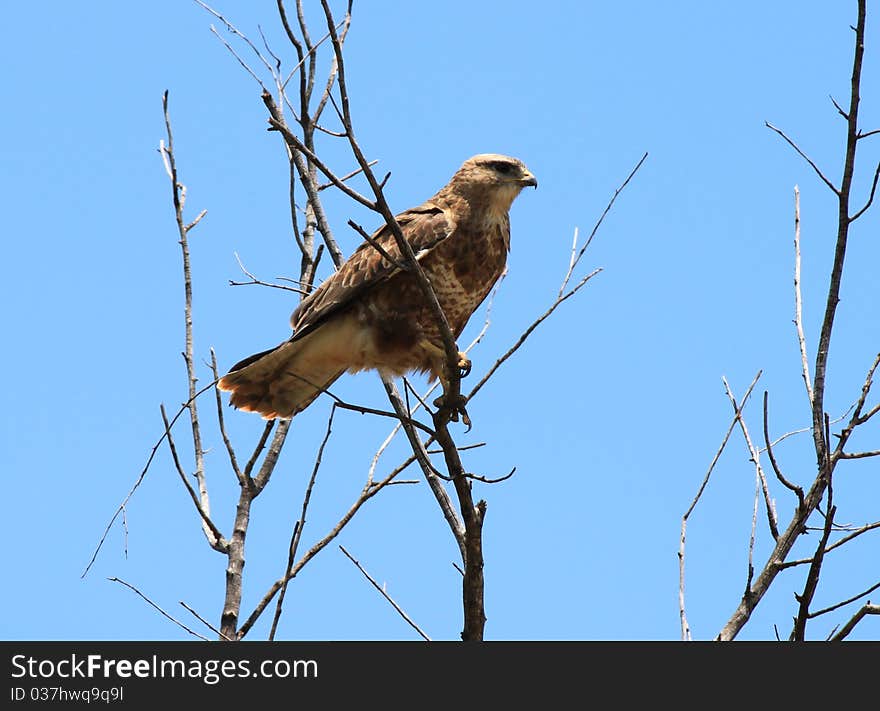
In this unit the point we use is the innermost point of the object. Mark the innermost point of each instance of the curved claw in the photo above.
(455, 409)
(464, 365)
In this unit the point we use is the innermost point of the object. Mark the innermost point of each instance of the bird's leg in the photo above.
(458, 406)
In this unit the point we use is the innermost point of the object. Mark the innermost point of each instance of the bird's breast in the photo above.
(463, 270)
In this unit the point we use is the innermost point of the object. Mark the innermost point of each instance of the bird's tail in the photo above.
(282, 381)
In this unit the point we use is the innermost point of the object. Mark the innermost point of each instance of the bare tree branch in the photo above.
(204, 622)
(368, 492)
(155, 606)
(867, 609)
(798, 301)
(528, 332)
(870, 200)
(347, 176)
(825, 460)
(796, 489)
(215, 539)
(756, 459)
(575, 259)
(179, 197)
(384, 594)
(685, 627)
(803, 155)
(222, 424)
(842, 603)
(300, 524)
(798, 633)
(120, 510)
(260, 282)
(860, 455)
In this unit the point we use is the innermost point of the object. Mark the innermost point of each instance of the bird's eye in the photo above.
(501, 167)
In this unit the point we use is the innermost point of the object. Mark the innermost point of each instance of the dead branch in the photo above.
(769, 449)
(803, 155)
(384, 594)
(843, 603)
(254, 281)
(825, 460)
(870, 199)
(756, 459)
(806, 597)
(472, 515)
(204, 621)
(857, 419)
(120, 510)
(421, 455)
(300, 523)
(233, 461)
(179, 195)
(155, 606)
(867, 609)
(798, 300)
(215, 539)
(575, 259)
(685, 627)
(375, 245)
(347, 176)
(368, 492)
(837, 544)
(563, 295)
(528, 332)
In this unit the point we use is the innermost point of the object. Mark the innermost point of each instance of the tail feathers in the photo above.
(279, 382)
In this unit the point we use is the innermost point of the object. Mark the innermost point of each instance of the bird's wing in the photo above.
(423, 227)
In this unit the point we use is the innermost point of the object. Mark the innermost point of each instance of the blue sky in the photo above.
(611, 412)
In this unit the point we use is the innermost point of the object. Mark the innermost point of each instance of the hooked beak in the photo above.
(529, 179)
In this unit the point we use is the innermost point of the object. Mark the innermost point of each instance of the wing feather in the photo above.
(424, 228)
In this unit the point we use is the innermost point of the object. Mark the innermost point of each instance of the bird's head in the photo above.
(494, 178)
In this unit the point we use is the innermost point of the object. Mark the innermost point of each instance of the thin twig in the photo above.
(685, 627)
(154, 605)
(121, 508)
(846, 539)
(215, 539)
(381, 413)
(769, 449)
(384, 594)
(375, 245)
(222, 424)
(867, 609)
(296, 534)
(204, 621)
(574, 261)
(860, 455)
(528, 332)
(799, 630)
(798, 302)
(753, 529)
(231, 28)
(261, 443)
(178, 194)
(296, 144)
(260, 282)
(347, 176)
(826, 610)
(421, 455)
(368, 492)
(803, 155)
(756, 459)
(870, 200)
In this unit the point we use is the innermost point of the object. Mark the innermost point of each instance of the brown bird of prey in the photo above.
(372, 314)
